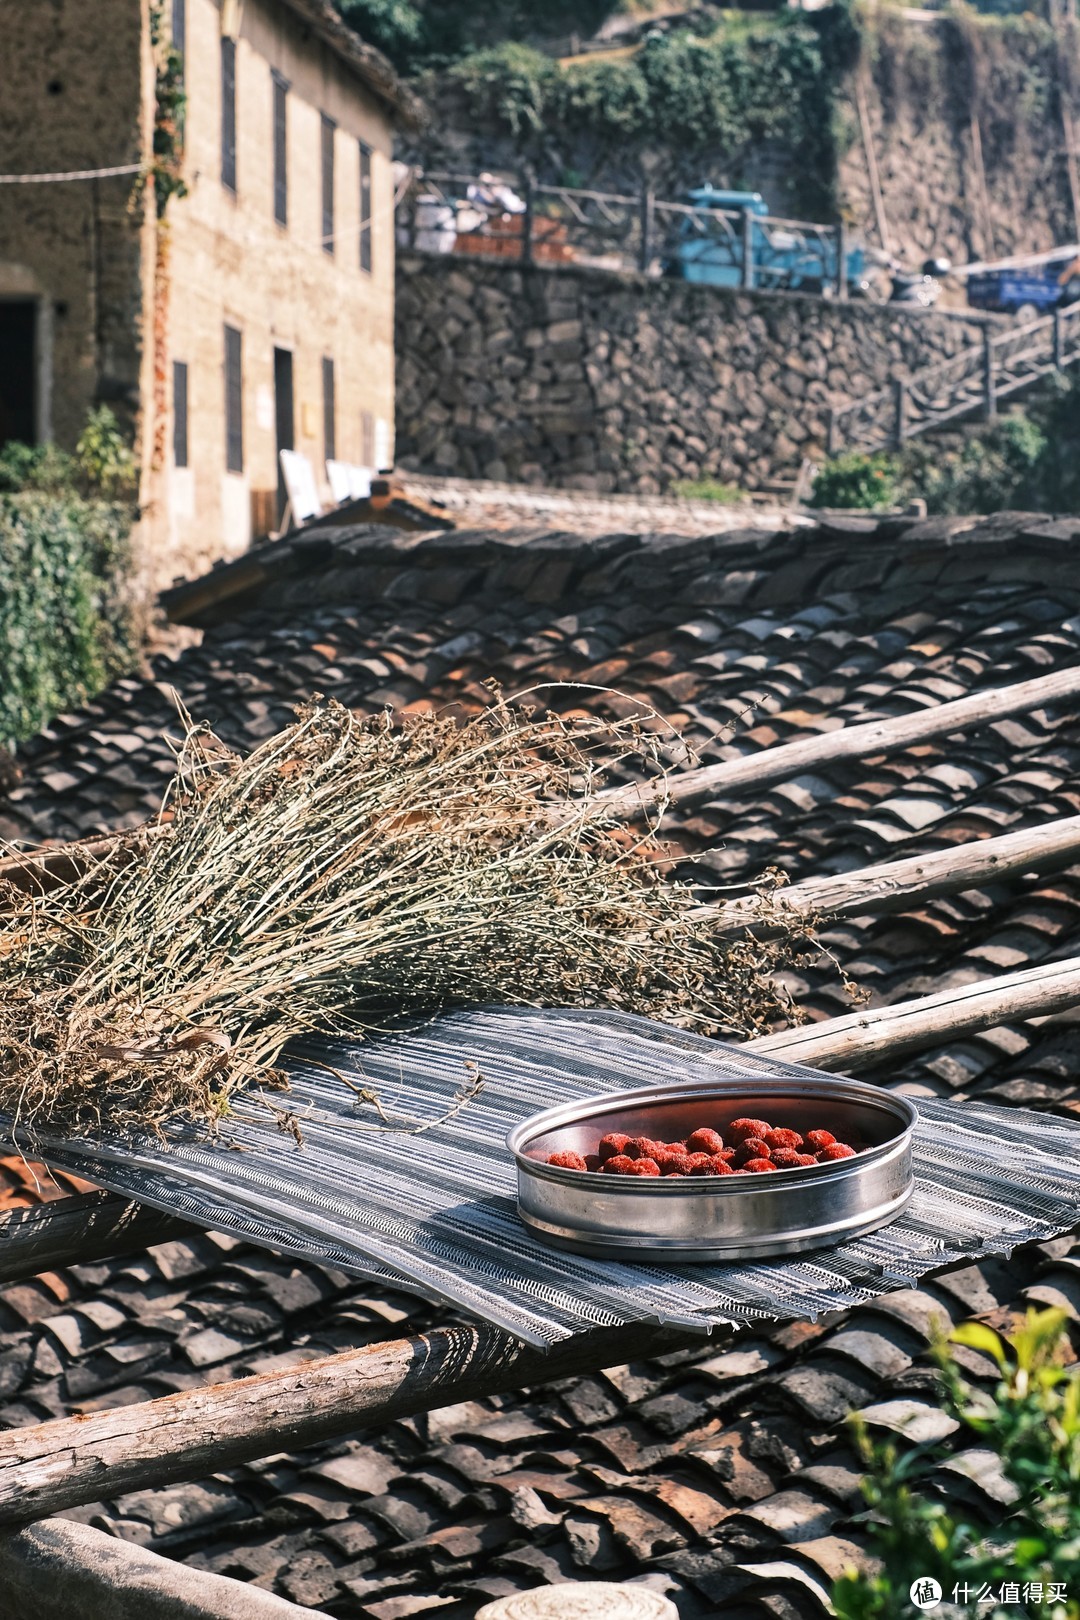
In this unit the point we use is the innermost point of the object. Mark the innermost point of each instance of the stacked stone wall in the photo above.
(600, 381)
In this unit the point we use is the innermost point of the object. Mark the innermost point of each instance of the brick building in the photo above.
(257, 312)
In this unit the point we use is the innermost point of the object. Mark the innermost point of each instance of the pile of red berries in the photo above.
(748, 1147)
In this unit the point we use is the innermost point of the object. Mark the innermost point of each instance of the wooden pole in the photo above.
(85, 1227)
(871, 162)
(861, 1039)
(863, 741)
(895, 885)
(65, 1463)
(989, 251)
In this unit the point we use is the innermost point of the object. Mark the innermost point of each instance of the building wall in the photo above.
(228, 261)
(593, 380)
(72, 97)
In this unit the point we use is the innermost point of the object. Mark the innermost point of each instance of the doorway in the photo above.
(18, 370)
(284, 418)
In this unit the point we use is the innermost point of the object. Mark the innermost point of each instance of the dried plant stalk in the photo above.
(347, 865)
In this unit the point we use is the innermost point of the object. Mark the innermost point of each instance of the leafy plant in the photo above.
(170, 106)
(857, 480)
(1031, 1423)
(63, 625)
(104, 458)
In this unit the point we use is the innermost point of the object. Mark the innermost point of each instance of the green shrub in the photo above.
(857, 480)
(712, 93)
(63, 623)
(1030, 1423)
(998, 468)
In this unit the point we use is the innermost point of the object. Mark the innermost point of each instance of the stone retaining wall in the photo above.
(595, 380)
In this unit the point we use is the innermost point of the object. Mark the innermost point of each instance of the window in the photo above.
(179, 24)
(234, 401)
(281, 152)
(367, 439)
(228, 112)
(180, 413)
(329, 435)
(328, 130)
(365, 207)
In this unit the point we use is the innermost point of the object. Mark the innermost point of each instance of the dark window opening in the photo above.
(18, 382)
(234, 400)
(329, 129)
(180, 413)
(281, 151)
(228, 113)
(329, 422)
(55, 87)
(284, 418)
(179, 25)
(367, 439)
(365, 207)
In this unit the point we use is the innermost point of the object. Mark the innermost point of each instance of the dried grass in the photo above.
(345, 866)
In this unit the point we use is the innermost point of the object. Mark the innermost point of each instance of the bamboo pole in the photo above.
(862, 741)
(896, 885)
(871, 162)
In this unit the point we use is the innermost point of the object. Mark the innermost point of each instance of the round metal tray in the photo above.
(717, 1217)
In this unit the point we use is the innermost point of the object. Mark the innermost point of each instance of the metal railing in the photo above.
(970, 383)
(543, 224)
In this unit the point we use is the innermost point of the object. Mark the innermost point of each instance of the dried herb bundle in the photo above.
(348, 865)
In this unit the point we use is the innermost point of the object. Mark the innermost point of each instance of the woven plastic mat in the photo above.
(435, 1213)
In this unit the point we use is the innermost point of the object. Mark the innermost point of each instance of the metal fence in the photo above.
(542, 224)
(970, 383)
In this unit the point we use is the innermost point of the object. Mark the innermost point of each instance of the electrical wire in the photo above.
(70, 174)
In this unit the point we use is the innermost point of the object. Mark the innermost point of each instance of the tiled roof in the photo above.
(361, 59)
(720, 1475)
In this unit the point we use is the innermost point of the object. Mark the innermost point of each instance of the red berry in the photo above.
(643, 1147)
(675, 1164)
(700, 1164)
(836, 1150)
(805, 1158)
(752, 1148)
(720, 1166)
(643, 1167)
(782, 1138)
(740, 1129)
(618, 1165)
(593, 1161)
(820, 1139)
(759, 1164)
(567, 1161)
(705, 1141)
(612, 1144)
(786, 1158)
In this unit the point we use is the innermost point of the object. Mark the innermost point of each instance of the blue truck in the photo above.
(1032, 288)
(707, 244)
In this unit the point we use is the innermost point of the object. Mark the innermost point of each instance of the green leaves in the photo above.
(1030, 1420)
(62, 631)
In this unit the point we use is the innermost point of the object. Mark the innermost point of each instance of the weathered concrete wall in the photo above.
(72, 98)
(596, 381)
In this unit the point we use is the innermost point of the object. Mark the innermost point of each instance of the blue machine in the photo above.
(794, 257)
(1040, 288)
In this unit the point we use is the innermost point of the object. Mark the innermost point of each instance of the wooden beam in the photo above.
(897, 885)
(68, 1462)
(862, 741)
(83, 1227)
(859, 1040)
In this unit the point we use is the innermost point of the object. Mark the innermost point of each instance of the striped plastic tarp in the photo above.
(436, 1213)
